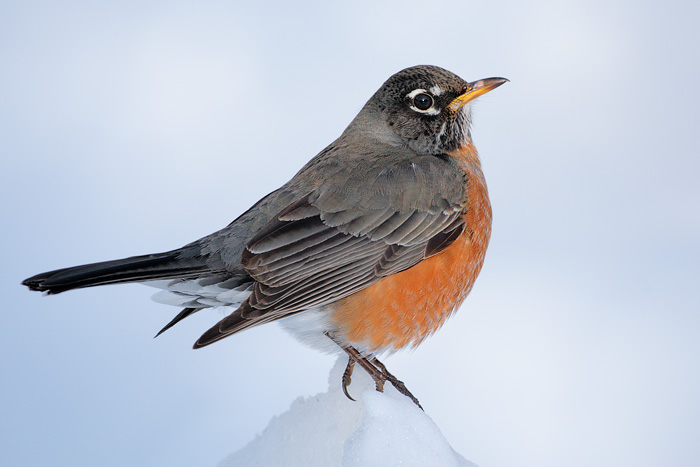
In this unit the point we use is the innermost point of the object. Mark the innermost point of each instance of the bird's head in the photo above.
(428, 108)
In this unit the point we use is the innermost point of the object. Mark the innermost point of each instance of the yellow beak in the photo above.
(474, 90)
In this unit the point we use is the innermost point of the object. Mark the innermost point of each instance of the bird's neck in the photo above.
(468, 158)
(370, 125)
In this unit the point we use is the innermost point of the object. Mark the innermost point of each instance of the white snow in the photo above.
(380, 429)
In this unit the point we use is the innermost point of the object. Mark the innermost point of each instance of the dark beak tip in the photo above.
(490, 83)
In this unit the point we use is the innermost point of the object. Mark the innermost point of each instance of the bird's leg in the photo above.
(376, 374)
(347, 377)
(381, 366)
(374, 368)
(355, 357)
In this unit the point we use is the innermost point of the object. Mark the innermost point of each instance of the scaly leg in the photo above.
(374, 368)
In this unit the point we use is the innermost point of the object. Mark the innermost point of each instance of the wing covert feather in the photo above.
(343, 236)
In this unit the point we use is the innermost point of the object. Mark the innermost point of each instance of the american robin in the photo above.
(369, 248)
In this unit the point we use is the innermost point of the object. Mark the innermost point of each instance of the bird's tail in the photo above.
(169, 265)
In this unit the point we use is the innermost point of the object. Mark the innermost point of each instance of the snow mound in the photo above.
(380, 429)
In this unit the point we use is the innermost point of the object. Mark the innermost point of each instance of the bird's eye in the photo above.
(423, 101)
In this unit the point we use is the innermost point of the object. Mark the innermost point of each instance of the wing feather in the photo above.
(334, 242)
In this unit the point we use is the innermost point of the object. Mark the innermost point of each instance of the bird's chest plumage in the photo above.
(403, 309)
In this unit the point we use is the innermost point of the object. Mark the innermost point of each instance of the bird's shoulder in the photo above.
(374, 175)
(359, 189)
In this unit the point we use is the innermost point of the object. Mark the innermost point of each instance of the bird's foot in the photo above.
(347, 377)
(375, 369)
(398, 384)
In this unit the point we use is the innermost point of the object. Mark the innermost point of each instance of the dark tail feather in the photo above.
(233, 323)
(180, 316)
(168, 265)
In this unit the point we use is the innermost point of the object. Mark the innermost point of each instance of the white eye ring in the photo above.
(432, 110)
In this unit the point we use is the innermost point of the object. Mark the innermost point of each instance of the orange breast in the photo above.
(403, 309)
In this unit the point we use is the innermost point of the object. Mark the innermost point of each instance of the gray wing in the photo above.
(346, 235)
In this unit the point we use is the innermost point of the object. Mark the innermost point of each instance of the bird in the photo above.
(367, 250)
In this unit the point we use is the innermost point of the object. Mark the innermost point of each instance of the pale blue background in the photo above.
(133, 127)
